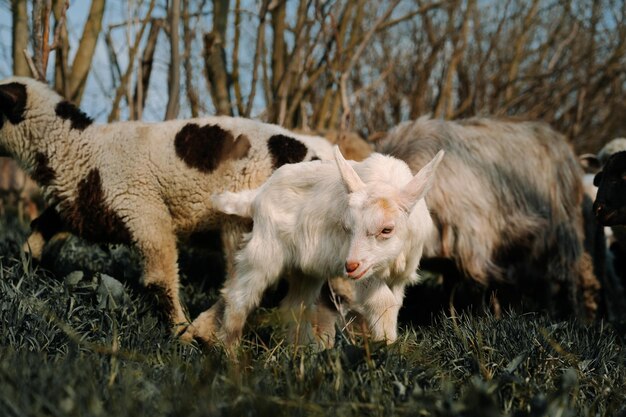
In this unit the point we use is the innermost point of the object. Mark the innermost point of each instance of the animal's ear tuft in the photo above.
(590, 162)
(13, 101)
(597, 179)
(421, 183)
(349, 176)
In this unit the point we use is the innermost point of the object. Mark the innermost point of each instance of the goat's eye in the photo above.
(386, 231)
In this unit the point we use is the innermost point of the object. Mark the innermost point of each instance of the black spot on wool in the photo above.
(91, 218)
(285, 150)
(67, 111)
(49, 223)
(42, 173)
(205, 147)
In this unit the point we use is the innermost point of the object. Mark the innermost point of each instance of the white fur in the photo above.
(311, 222)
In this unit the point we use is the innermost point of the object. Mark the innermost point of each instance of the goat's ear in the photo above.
(13, 101)
(421, 183)
(597, 179)
(589, 162)
(349, 176)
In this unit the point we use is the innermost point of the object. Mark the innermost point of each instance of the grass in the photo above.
(76, 342)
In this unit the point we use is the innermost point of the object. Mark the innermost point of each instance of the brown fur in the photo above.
(204, 148)
(67, 111)
(43, 174)
(285, 150)
(590, 287)
(49, 223)
(91, 218)
(352, 146)
(163, 297)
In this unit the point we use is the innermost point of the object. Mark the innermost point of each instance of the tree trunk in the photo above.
(61, 66)
(215, 59)
(173, 103)
(277, 13)
(86, 48)
(188, 38)
(147, 58)
(20, 37)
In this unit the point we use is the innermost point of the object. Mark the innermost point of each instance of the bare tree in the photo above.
(173, 103)
(215, 59)
(20, 37)
(376, 63)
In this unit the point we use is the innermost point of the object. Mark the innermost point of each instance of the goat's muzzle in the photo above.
(603, 214)
(352, 266)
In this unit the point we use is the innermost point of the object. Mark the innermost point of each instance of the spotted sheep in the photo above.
(366, 221)
(145, 184)
(506, 202)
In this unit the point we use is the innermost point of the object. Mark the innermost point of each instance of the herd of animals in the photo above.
(497, 202)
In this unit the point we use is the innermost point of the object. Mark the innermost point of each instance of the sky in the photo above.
(100, 81)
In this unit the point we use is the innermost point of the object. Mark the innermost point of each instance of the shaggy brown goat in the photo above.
(507, 205)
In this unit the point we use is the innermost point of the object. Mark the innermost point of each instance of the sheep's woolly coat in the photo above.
(367, 221)
(507, 205)
(142, 183)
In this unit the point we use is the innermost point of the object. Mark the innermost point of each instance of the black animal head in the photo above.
(12, 106)
(610, 204)
(12, 102)
(19, 95)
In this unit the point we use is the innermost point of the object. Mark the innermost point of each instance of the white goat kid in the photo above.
(366, 221)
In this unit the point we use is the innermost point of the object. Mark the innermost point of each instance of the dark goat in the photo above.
(610, 204)
(507, 204)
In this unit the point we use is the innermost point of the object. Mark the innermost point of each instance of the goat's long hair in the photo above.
(506, 201)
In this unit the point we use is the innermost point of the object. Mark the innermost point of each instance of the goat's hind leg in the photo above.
(299, 310)
(241, 295)
(257, 266)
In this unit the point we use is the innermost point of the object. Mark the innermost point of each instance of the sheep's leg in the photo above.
(300, 311)
(379, 305)
(156, 241)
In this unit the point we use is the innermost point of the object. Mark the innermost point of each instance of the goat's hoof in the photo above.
(200, 335)
(183, 332)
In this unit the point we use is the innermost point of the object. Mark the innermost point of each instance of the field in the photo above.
(75, 341)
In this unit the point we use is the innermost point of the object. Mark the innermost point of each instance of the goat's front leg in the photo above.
(259, 265)
(379, 305)
(225, 320)
(241, 295)
(156, 241)
(204, 328)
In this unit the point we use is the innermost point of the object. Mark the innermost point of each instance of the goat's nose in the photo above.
(351, 266)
